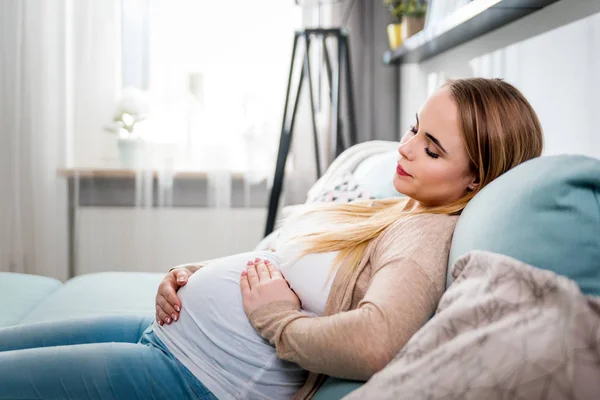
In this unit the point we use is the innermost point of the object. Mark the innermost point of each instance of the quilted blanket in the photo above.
(503, 330)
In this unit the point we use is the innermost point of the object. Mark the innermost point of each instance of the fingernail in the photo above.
(244, 273)
(160, 323)
(168, 320)
(174, 317)
(180, 278)
(177, 308)
(267, 261)
(250, 263)
(257, 259)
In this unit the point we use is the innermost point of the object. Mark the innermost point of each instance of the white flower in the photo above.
(133, 102)
(127, 119)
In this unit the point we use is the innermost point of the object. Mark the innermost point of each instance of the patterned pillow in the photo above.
(343, 190)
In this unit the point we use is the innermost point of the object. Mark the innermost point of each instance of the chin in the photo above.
(400, 186)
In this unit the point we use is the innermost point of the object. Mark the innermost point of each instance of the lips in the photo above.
(400, 171)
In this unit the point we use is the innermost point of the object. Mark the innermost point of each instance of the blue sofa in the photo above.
(545, 212)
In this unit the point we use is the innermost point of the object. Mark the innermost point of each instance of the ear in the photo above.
(473, 184)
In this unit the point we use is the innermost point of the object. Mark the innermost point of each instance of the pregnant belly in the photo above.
(213, 301)
(215, 334)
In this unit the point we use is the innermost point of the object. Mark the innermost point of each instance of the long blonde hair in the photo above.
(500, 130)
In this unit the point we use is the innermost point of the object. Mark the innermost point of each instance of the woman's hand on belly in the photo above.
(261, 284)
(168, 304)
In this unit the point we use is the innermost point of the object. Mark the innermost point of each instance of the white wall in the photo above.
(552, 56)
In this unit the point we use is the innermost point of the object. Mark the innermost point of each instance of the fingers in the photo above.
(170, 298)
(162, 317)
(263, 271)
(168, 304)
(275, 274)
(179, 278)
(244, 284)
(182, 277)
(258, 270)
(168, 308)
(252, 274)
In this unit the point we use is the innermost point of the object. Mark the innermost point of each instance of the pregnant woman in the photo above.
(343, 290)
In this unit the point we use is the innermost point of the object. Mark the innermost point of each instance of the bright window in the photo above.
(216, 75)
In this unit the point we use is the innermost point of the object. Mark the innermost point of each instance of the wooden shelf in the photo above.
(120, 173)
(469, 22)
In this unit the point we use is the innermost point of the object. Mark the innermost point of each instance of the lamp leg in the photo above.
(284, 144)
(328, 68)
(350, 93)
(312, 106)
(335, 108)
(342, 142)
(338, 141)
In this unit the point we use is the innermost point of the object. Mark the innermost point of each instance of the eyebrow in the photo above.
(431, 137)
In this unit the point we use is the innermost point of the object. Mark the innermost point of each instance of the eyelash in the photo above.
(413, 129)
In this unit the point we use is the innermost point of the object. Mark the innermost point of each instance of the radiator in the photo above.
(154, 239)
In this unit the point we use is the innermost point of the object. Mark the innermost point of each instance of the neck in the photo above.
(412, 205)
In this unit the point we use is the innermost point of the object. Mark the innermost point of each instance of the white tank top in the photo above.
(310, 276)
(213, 337)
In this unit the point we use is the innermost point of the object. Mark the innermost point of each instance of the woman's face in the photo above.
(433, 166)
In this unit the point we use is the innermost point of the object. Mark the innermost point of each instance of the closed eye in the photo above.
(431, 154)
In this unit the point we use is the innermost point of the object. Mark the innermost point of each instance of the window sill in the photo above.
(121, 187)
(117, 173)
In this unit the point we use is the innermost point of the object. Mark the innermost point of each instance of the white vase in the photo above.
(130, 153)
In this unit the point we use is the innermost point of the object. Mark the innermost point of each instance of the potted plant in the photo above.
(414, 17)
(131, 109)
(411, 19)
(394, 30)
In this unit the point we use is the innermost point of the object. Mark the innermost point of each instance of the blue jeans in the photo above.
(94, 358)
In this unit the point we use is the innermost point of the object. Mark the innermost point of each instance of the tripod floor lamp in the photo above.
(339, 76)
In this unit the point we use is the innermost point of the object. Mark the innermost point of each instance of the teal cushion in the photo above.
(21, 293)
(335, 388)
(105, 293)
(545, 212)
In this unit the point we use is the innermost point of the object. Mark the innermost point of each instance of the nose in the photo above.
(404, 150)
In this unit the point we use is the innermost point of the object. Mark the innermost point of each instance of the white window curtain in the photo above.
(33, 222)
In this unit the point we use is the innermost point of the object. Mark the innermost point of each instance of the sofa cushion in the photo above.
(20, 293)
(334, 389)
(545, 212)
(106, 293)
(349, 161)
(376, 174)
